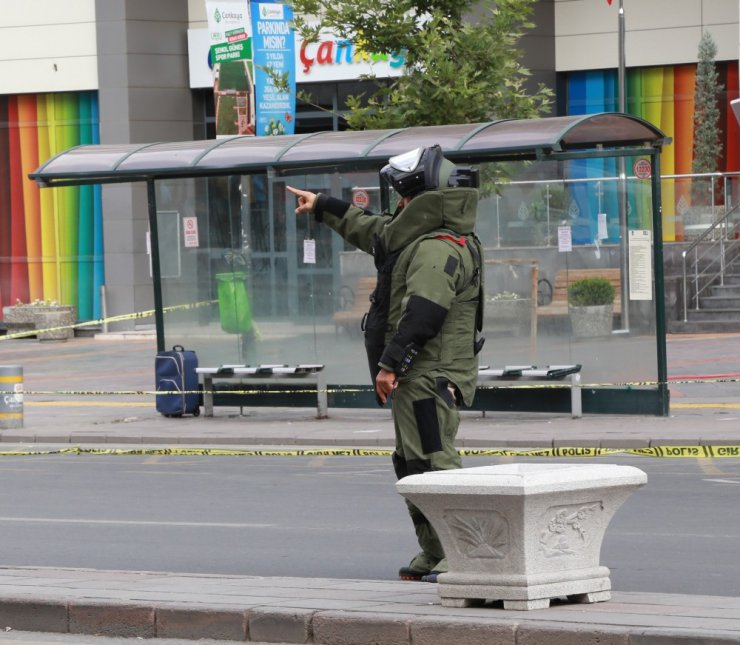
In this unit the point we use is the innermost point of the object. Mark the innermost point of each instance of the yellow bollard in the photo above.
(11, 396)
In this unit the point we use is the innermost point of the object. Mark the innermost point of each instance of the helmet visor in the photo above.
(408, 161)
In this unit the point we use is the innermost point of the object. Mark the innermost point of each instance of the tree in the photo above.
(706, 116)
(460, 67)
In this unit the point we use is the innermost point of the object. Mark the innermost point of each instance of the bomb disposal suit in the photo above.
(424, 314)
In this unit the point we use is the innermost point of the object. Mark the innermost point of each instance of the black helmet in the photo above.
(423, 169)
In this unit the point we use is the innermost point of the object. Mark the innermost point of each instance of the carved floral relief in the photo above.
(567, 528)
(479, 534)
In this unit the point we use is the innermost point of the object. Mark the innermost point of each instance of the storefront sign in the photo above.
(332, 58)
(230, 42)
(274, 55)
(229, 30)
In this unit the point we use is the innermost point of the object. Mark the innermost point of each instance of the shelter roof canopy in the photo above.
(504, 139)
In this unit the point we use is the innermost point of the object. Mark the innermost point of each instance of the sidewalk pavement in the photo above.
(339, 612)
(332, 612)
(130, 422)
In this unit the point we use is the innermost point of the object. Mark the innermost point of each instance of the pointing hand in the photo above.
(306, 199)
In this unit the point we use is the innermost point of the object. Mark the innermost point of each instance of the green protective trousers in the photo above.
(426, 419)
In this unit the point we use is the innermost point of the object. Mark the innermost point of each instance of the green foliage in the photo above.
(461, 67)
(706, 108)
(591, 291)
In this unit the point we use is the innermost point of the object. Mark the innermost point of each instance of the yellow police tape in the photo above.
(100, 321)
(695, 452)
(728, 378)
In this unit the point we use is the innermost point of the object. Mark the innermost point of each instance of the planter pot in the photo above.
(508, 316)
(522, 533)
(42, 318)
(590, 322)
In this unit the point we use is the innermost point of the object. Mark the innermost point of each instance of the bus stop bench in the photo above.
(558, 306)
(280, 374)
(518, 373)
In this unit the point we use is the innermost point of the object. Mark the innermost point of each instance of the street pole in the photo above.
(622, 74)
(622, 197)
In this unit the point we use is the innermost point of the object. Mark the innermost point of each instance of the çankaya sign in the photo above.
(333, 58)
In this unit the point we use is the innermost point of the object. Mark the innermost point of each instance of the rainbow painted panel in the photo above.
(51, 240)
(665, 97)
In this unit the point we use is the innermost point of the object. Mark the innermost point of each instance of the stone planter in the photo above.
(508, 316)
(522, 533)
(593, 321)
(41, 318)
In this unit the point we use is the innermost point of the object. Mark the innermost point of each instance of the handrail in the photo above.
(707, 271)
(711, 228)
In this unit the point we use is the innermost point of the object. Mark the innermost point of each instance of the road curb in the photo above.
(288, 625)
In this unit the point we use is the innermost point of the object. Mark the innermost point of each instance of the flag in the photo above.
(609, 2)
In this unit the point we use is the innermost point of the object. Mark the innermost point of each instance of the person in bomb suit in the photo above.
(421, 332)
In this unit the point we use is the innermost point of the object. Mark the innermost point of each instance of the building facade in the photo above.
(132, 71)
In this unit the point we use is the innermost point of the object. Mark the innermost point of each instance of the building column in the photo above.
(144, 96)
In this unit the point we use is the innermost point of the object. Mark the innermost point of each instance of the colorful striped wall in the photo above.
(665, 97)
(51, 240)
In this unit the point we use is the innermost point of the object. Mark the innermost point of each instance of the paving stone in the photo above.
(571, 635)
(276, 625)
(675, 637)
(355, 628)
(33, 615)
(195, 622)
(431, 631)
(110, 619)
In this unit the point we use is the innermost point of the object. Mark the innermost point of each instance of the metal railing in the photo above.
(720, 241)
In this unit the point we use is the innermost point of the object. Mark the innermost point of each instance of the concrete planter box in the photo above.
(591, 322)
(508, 316)
(41, 317)
(522, 533)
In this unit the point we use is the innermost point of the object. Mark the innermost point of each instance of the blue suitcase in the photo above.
(175, 374)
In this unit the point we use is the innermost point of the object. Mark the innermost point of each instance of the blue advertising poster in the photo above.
(274, 49)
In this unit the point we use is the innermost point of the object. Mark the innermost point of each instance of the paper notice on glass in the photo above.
(190, 231)
(309, 251)
(641, 265)
(565, 239)
(602, 232)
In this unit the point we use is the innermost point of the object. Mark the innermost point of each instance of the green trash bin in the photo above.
(234, 309)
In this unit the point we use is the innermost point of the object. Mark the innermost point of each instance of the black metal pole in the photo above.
(660, 325)
(156, 273)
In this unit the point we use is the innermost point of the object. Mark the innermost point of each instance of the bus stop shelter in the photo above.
(242, 280)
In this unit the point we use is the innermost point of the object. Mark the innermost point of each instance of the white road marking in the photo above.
(723, 481)
(56, 520)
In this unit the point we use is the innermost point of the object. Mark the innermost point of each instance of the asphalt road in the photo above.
(337, 517)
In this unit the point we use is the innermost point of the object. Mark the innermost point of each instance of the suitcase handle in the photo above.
(178, 348)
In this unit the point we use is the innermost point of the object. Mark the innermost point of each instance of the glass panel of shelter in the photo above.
(547, 225)
(249, 292)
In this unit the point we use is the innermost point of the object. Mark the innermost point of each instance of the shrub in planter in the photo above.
(591, 307)
(588, 292)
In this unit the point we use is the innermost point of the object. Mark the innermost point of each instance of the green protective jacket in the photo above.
(427, 305)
